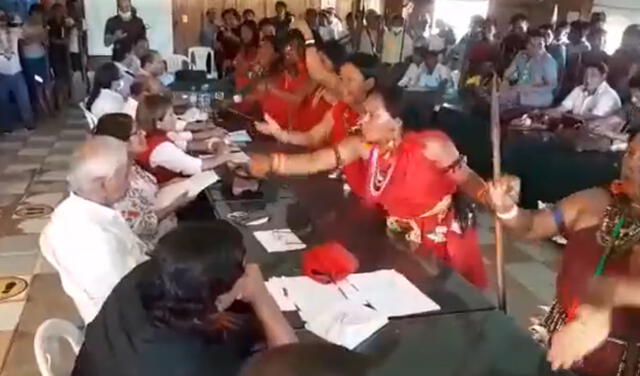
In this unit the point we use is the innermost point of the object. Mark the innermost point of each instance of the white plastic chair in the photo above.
(199, 56)
(177, 62)
(91, 118)
(45, 342)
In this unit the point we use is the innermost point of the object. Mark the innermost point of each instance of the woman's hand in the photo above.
(269, 127)
(260, 165)
(580, 337)
(504, 193)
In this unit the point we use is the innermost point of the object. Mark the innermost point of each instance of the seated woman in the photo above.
(283, 92)
(139, 207)
(162, 157)
(105, 97)
(414, 176)
(193, 309)
(593, 326)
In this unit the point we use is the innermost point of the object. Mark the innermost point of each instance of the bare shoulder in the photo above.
(438, 147)
(585, 208)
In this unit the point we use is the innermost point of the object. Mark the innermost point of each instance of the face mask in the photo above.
(125, 15)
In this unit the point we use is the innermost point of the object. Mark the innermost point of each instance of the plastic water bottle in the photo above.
(193, 97)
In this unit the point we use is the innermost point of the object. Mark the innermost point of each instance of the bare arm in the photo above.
(317, 136)
(317, 71)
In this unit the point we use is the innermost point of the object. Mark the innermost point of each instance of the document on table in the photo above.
(390, 293)
(282, 240)
(193, 186)
(239, 137)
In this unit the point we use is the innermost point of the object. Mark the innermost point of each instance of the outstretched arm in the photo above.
(317, 136)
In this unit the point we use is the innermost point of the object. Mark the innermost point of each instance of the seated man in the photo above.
(194, 309)
(594, 99)
(87, 240)
(535, 74)
(624, 121)
(428, 75)
(152, 70)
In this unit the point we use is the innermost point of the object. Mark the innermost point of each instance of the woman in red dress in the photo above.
(249, 37)
(593, 327)
(413, 176)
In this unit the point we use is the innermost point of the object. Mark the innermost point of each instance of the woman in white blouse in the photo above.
(162, 157)
(105, 97)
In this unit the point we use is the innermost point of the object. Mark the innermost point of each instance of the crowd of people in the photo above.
(40, 55)
(158, 296)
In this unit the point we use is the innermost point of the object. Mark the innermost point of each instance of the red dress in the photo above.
(161, 174)
(344, 120)
(416, 193)
(281, 110)
(579, 262)
(311, 111)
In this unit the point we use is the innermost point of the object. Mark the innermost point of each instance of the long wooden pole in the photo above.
(497, 172)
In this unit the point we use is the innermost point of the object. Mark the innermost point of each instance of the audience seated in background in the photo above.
(597, 39)
(622, 61)
(626, 120)
(106, 93)
(535, 75)
(153, 67)
(137, 90)
(397, 44)
(139, 207)
(124, 59)
(458, 56)
(162, 157)
(308, 359)
(140, 48)
(193, 309)
(485, 50)
(228, 41)
(87, 240)
(516, 40)
(576, 48)
(429, 75)
(594, 99)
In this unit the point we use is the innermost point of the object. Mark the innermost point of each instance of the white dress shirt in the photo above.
(393, 48)
(108, 102)
(10, 65)
(432, 81)
(171, 157)
(604, 102)
(181, 138)
(411, 76)
(368, 42)
(130, 107)
(92, 247)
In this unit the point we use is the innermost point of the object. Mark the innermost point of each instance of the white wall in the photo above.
(620, 14)
(157, 16)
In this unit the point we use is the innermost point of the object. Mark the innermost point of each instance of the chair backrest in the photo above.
(45, 340)
(203, 58)
(177, 62)
(91, 118)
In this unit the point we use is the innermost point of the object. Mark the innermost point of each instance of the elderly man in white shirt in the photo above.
(86, 240)
(594, 99)
(397, 44)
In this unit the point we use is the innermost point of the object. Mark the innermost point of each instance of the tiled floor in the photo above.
(32, 182)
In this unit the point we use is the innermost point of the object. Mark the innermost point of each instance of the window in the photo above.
(458, 13)
(620, 14)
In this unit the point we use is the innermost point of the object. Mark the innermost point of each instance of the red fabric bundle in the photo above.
(330, 262)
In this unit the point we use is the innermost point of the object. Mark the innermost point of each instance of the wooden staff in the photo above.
(497, 172)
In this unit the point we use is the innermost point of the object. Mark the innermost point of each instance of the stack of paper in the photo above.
(279, 240)
(239, 137)
(348, 312)
(191, 186)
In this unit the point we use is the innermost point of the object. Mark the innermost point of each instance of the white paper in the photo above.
(239, 137)
(311, 297)
(279, 240)
(280, 294)
(193, 186)
(390, 293)
(193, 114)
(346, 324)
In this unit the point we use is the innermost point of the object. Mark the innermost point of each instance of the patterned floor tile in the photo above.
(10, 145)
(19, 244)
(79, 133)
(34, 152)
(5, 342)
(50, 199)
(10, 315)
(46, 187)
(32, 226)
(43, 138)
(21, 167)
(18, 264)
(43, 266)
(60, 175)
(66, 145)
(7, 200)
(538, 279)
(57, 158)
(15, 187)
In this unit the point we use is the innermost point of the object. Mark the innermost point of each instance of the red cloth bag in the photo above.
(329, 263)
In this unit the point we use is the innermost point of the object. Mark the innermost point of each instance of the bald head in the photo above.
(99, 170)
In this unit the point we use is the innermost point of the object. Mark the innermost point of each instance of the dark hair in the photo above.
(148, 58)
(248, 11)
(397, 17)
(308, 359)
(580, 28)
(634, 82)
(105, 75)
(151, 110)
(253, 26)
(120, 53)
(425, 53)
(601, 67)
(545, 27)
(489, 22)
(39, 8)
(598, 17)
(116, 125)
(368, 65)
(294, 36)
(191, 272)
(562, 24)
(264, 22)
(334, 51)
(518, 17)
(232, 11)
(391, 97)
(534, 33)
(281, 4)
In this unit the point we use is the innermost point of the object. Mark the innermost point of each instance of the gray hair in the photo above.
(96, 159)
